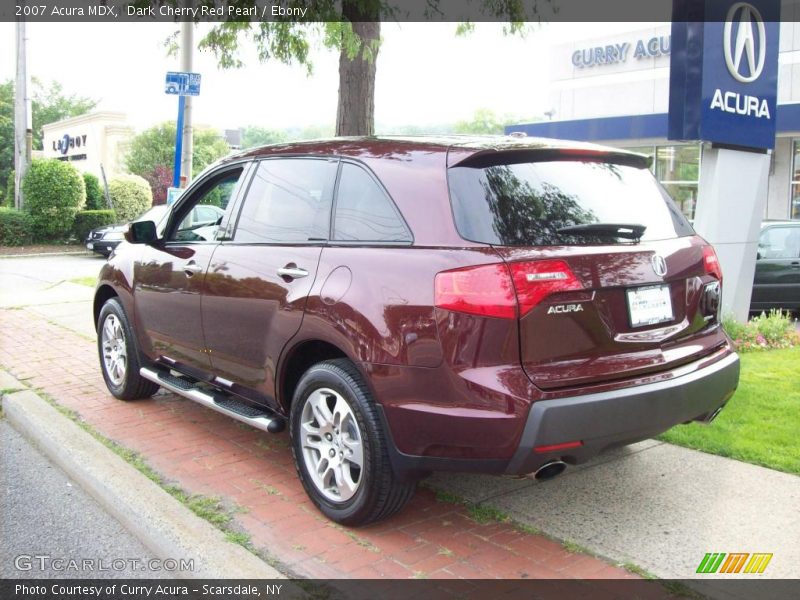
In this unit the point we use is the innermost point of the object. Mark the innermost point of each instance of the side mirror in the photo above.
(142, 232)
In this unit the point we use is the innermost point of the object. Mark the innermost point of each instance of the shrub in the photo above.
(15, 227)
(130, 195)
(764, 332)
(160, 179)
(54, 193)
(86, 220)
(95, 200)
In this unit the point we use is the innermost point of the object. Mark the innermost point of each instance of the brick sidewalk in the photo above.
(207, 453)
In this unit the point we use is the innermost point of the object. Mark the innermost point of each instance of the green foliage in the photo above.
(253, 136)
(54, 192)
(6, 132)
(130, 195)
(48, 105)
(15, 227)
(11, 188)
(155, 147)
(486, 122)
(86, 220)
(95, 200)
(764, 332)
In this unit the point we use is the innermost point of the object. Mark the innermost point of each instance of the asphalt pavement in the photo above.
(50, 527)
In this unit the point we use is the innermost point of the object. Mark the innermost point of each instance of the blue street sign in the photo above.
(182, 84)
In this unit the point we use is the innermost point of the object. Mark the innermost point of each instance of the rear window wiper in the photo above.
(630, 231)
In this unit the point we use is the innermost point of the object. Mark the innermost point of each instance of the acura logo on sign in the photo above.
(659, 264)
(745, 51)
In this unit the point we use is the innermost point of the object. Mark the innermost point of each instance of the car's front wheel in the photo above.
(340, 448)
(119, 356)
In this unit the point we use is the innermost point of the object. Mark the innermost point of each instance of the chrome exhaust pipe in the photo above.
(549, 470)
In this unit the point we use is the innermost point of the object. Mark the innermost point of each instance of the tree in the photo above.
(485, 121)
(353, 28)
(155, 147)
(253, 136)
(48, 104)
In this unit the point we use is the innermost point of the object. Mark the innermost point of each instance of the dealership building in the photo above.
(614, 90)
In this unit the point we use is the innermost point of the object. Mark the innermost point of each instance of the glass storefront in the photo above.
(677, 167)
(794, 191)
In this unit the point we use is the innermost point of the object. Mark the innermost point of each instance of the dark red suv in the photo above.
(493, 305)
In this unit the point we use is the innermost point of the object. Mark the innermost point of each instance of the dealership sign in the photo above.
(610, 54)
(724, 72)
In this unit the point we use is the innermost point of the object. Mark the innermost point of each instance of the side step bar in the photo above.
(223, 404)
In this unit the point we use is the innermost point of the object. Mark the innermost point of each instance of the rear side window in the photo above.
(289, 200)
(779, 242)
(363, 210)
(532, 203)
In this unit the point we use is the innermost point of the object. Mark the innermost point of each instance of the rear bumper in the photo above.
(604, 420)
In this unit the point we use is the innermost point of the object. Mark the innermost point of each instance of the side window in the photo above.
(202, 213)
(288, 201)
(363, 210)
(780, 242)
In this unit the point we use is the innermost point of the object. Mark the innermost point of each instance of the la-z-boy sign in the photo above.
(68, 142)
(724, 72)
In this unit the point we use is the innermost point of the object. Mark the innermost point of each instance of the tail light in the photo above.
(711, 263)
(500, 290)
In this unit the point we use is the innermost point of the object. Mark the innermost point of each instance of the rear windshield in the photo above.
(527, 203)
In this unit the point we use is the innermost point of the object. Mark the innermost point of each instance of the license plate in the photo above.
(649, 305)
(90, 246)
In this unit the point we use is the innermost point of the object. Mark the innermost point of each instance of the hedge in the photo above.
(15, 227)
(86, 220)
(54, 193)
(95, 200)
(131, 196)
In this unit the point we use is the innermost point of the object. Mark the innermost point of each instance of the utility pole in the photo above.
(23, 124)
(187, 52)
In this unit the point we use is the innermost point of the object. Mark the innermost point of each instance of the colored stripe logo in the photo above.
(734, 562)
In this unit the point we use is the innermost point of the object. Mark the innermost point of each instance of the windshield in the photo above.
(546, 203)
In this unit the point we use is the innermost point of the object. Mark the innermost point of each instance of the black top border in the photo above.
(318, 11)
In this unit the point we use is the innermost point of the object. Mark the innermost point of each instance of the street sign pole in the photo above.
(176, 178)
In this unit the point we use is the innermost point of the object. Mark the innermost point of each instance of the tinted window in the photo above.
(202, 226)
(363, 210)
(527, 203)
(779, 242)
(288, 201)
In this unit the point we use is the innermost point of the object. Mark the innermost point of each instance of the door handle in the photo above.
(191, 268)
(293, 272)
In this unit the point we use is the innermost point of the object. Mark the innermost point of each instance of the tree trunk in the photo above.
(355, 114)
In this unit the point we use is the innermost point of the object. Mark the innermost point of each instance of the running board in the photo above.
(223, 404)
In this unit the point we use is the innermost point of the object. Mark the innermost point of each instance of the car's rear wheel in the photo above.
(340, 448)
(119, 357)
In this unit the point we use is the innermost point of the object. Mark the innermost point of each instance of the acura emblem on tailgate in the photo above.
(659, 264)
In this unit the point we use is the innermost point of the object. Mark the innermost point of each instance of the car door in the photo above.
(777, 277)
(168, 277)
(255, 291)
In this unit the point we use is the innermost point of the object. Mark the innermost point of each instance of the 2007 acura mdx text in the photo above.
(494, 305)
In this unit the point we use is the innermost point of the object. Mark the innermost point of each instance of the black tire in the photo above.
(131, 385)
(379, 493)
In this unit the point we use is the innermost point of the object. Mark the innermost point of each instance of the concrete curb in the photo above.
(164, 525)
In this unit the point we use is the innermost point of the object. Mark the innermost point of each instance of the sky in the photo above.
(426, 75)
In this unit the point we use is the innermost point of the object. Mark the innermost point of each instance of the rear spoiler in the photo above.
(492, 157)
